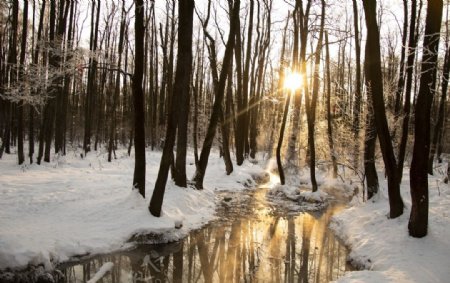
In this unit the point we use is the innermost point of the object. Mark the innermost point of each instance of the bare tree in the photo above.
(418, 220)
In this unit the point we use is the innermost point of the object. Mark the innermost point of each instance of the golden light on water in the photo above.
(293, 81)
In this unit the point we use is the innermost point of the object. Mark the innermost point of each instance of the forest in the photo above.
(143, 122)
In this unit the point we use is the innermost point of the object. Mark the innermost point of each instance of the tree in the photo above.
(357, 103)
(418, 220)
(138, 99)
(179, 110)
(312, 105)
(372, 69)
(438, 128)
(219, 95)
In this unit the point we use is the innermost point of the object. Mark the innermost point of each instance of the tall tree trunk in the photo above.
(23, 49)
(438, 129)
(219, 94)
(280, 139)
(112, 127)
(357, 102)
(60, 117)
(370, 170)
(401, 74)
(312, 105)
(241, 110)
(372, 68)
(182, 86)
(412, 44)
(53, 61)
(138, 99)
(246, 81)
(418, 220)
(11, 70)
(91, 84)
(329, 118)
(180, 102)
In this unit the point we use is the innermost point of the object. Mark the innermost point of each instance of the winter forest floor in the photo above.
(383, 246)
(75, 206)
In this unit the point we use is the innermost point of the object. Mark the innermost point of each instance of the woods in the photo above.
(191, 78)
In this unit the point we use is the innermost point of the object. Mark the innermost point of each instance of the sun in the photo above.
(293, 81)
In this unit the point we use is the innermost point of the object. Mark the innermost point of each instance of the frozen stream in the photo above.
(251, 241)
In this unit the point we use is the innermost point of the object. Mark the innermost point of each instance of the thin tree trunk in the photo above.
(311, 106)
(357, 103)
(409, 78)
(438, 129)
(219, 94)
(138, 99)
(23, 49)
(329, 118)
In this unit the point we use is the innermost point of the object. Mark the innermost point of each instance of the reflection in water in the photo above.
(251, 244)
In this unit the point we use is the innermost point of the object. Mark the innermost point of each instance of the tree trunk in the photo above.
(329, 118)
(280, 140)
(180, 101)
(312, 105)
(438, 129)
(357, 102)
(418, 220)
(23, 49)
(409, 78)
(372, 68)
(138, 99)
(219, 94)
(182, 86)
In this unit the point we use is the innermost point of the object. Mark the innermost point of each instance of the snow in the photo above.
(383, 247)
(297, 195)
(73, 206)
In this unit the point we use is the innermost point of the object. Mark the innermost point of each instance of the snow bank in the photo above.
(297, 195)
(75, 206)
(383, 246)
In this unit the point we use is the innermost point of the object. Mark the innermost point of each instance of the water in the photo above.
(252, 241)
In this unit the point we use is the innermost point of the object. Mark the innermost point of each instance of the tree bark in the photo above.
(329, 118)
(418, 220)
(441, 112)
(182, 86)
(180, 101)
(219, 94)
(23, 49)
(372, 68)
(138, 99)
(312, 105)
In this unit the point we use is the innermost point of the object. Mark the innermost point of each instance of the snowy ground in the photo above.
(296, 194)
(75, 206)
(383, 247)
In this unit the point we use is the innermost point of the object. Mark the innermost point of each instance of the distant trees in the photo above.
(132, 86)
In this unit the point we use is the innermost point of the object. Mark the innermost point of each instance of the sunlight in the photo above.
(293, 81)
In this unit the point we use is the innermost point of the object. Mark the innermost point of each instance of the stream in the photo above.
(252, 240)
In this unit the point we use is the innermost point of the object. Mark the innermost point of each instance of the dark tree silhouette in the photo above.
(138, 99)
(179, 110)
(372, 69)
(418, 220)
